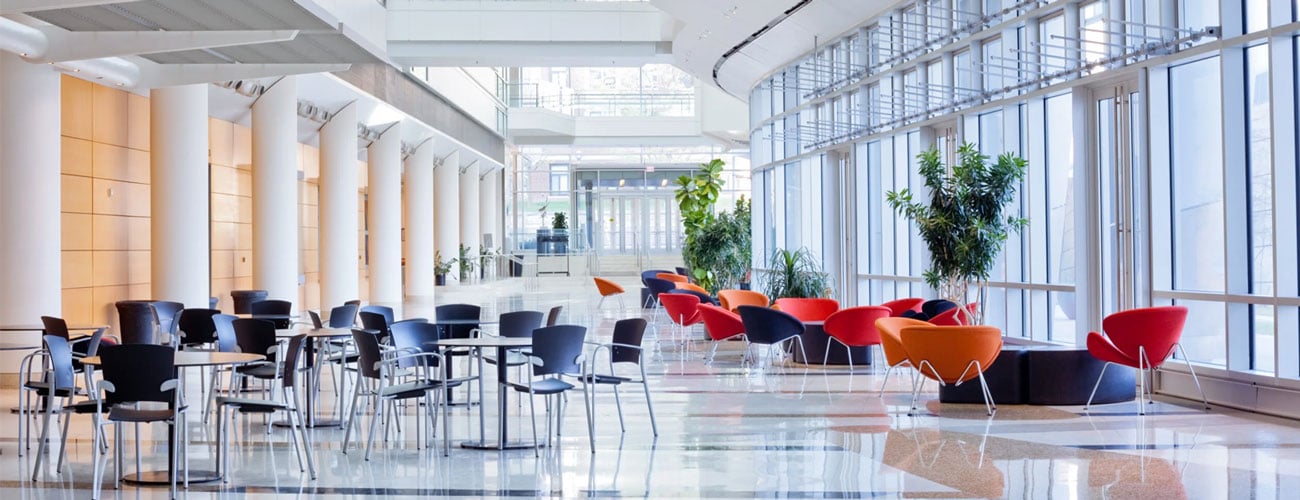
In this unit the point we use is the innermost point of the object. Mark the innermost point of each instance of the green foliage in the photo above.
(441, 266)
(711, 249)
(964, 224)
(559, 221)
(722, 249)
(795, 274)
(467, 263)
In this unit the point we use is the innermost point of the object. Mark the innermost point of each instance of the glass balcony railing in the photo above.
(618, 104)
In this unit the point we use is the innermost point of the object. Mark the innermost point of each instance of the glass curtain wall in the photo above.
(1209, 135)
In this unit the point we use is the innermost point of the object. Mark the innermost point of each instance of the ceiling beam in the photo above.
(21, 6)
(166, 75)
(77, 45)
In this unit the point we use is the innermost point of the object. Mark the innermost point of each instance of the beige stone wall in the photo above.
(230, 167)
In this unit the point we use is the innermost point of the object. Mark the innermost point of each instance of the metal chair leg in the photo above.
(1096, 385)
(1188, 361)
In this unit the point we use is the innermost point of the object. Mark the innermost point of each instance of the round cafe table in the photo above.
(448, 369)
(501, 344)
(310, 349)
(184, 359)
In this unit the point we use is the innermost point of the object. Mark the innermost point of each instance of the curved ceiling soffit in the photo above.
(717, 66)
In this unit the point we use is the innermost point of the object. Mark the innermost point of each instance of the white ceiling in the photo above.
(710, 28)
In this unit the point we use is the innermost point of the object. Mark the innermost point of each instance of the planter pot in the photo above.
(440, 280)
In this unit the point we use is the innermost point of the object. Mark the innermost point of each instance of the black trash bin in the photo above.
(244, 299)
(517, 265)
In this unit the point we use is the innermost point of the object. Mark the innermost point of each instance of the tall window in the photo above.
(1259, 198)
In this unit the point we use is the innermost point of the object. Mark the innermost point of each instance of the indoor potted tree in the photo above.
(965, 223)
(795, 274)
(467, 263)
(441, 268)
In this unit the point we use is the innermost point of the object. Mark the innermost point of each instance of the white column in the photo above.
(384, 217)
(30, 261)
(487, 208)
(338, 209)
(446, 202)
(469, 227)
(275, 190)
(178, 177)
(419, 222)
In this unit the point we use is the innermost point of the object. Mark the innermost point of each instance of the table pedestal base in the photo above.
(162, 477)
(496, 445)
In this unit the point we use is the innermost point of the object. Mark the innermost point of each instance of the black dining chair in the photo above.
(770, 327)
(213, 302)
(81, 347)
(287, 404)
(227, 341)
(382, 373)
(518, 324)
(168, 312)
(137, 322)
(59, 383)
(257, 336)
(657, 286)
(196, 328)
(244, 299)
(133, 374)
(385, 311)
(558, 356)
(278, 310)
(553, 316)
(622, 350)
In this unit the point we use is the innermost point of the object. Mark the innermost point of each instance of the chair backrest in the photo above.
(627, 331)
(457, 312)
(891, 342)
(279, 308)
(1155, 329)
(137, 322)
(293, 353)
(704, 298)
(137, 372)
(607, 287)
(558, 348)
(385, 311)
(692, 287)
(353, 302)
(343, 316)
(682, 271)
(373, 321)
(650, 273)
(212, 302)
(415, 336)
(932, 308)
(255, 336)
(519, 323)
(898, 306)
(244, 299)
(553, 316)
(733, 299)
(60, 354)
(812, 309)
(856, 326)
(769, 326)
(658, 286)
(368, 356)
(315, 319)
(55, 326)
(168, 313)
(681, 307)
(720, 323)
(673, 277)
(950, 350)
(227, 340)
(196, 326)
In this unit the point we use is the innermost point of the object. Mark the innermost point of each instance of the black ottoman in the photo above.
(1005, 379)
(1061, 376)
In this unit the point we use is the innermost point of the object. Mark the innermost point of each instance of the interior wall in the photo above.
(105, 200)
(230, 166)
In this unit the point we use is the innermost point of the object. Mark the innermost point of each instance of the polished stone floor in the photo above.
(733, 431)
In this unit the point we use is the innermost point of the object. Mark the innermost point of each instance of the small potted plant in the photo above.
(467, 263)
(795, 274)
(560, 232)
(441, 268)
(484, 255)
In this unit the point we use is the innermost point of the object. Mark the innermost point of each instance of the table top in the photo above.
(38, 328)
(312, 333)
(199, 358)
(487, 341)
(265, 316)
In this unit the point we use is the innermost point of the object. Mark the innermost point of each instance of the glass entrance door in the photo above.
(641, 223)
(1118, 160)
